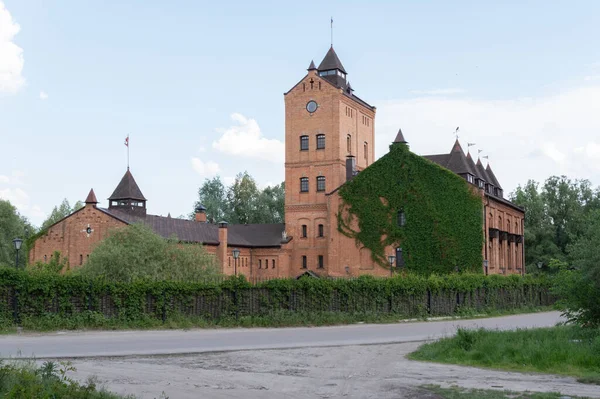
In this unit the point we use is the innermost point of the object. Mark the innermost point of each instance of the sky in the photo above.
(198, 87)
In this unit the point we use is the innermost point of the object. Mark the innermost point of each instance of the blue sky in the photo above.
(199, 88)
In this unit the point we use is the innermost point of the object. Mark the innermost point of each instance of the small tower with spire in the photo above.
(128, 197)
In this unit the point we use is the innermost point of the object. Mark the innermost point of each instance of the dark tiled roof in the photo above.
(400, 137)
(127, 189)
(251, 235)
(481, 173)
(312, 66)
(331, 61)
(358, 100)
(492, 177)
(91, 198)
(456, 161)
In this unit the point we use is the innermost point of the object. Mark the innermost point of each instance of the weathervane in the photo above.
(456, 133)
(471, 144)
(331, 31)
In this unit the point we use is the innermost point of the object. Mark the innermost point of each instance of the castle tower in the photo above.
(327, 130)
(128, 197)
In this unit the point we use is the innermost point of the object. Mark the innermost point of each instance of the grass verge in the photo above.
(567, 350)
(22, 379)
(462, 393)
(97, 321)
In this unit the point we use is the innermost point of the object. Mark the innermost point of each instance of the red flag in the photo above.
(127, 141)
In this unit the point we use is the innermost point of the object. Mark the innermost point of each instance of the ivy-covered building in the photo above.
(346, 214)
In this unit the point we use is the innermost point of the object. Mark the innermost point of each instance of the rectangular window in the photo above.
(320, 141)
(80, 260)
(321, 231)
(304, 184)
(303, 143)
(320, 183)
(260, 264)
(321, 263)
(273, 263)
(349, 144)
(304, 263)
(366, 148)
(304, 231)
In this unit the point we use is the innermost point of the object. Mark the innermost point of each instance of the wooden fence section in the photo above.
(260, 301)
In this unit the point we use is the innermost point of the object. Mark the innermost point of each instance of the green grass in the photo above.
(22, 379)
(567, 350)
(96, 321)
(462, 393)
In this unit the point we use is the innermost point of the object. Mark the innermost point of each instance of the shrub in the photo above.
(135, 252)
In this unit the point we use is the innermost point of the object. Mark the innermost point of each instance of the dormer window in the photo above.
(480, 183)
(470, 178)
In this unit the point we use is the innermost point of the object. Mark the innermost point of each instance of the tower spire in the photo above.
(331, 31)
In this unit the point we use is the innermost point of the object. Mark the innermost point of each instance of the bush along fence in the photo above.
(33, 295)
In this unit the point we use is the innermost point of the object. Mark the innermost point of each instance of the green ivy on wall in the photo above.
(443, 228)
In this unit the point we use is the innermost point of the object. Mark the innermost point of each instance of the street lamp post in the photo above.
(17, 242)
(236, 255)
(391, 259)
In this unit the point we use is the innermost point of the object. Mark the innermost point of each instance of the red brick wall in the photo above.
(69, 237)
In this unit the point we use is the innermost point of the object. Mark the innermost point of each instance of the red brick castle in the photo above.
(329, 139)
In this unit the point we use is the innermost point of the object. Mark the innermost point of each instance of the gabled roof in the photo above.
(91, 198)
(472, 164)
(331, 61)
(492, 176)
(242, 235)
(127, 189)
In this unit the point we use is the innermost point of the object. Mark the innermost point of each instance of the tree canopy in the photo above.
(136, 252)
(59, 212)
(556, 214)
(13, 225)
(241, 202)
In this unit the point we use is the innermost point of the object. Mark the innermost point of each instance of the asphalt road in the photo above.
(129, 343)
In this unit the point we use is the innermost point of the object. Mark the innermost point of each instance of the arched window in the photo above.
(303, 143)
(320, 183)
(349, 144)
(304, 184)
(366, 149)
(273, 263)
(320, 141)
(260, 264)
(304, 263)
(321, 231)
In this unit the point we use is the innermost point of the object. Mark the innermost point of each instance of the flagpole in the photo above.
(331, 31)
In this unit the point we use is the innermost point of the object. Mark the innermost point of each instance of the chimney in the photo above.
(200, 214)
(222, 249)
(350, 167)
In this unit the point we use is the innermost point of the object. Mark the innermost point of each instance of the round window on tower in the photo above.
(312, 106)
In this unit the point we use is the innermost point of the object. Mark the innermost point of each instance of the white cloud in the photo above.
(43, 95)
(16, 196)
(525, 138)
(591, 78)
(4, 179)
(437, 92)
(205, 169)
(246, 139)
(11, 55)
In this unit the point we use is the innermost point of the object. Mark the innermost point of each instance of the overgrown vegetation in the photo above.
(464, 393)
(565, 350)
(49, 301)
(135, 252)
(443, 217)
(24, 380)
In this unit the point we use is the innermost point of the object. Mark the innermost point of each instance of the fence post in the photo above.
(428, 301)
(235, 301)
(90, 290)
(164, 307)
(16, 317)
